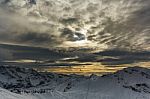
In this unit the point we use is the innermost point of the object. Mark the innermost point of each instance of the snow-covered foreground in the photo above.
(129, 83)
(5, 94)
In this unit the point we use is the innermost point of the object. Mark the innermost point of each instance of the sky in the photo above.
(81, 36)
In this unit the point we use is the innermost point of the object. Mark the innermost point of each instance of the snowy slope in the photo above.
(4, 94)
(129, 83)
(26, 80)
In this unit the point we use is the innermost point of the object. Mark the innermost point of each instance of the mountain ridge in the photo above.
(132, 81)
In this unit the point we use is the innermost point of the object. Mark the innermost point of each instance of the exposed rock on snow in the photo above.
(129, 83)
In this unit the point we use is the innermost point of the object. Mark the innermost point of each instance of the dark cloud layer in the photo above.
(5, 54)
(53, 57)
(123, 57)
(115, 57)
(29, 53)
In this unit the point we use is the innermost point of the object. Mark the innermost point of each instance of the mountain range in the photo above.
(129, 83)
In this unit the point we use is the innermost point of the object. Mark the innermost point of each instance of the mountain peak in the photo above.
(134, 70)
(21, 80)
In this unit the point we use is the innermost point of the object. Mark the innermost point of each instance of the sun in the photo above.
(80, 40)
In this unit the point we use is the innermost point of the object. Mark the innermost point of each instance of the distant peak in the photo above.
(137, 68)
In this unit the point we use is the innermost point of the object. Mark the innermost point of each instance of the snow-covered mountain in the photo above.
(25, 80)
(129, 83)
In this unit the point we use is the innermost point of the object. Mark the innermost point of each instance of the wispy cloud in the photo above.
(50, 23)
(15, 28)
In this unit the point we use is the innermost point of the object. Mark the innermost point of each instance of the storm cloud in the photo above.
(16, 29)
(5, 54)
(50, 23)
